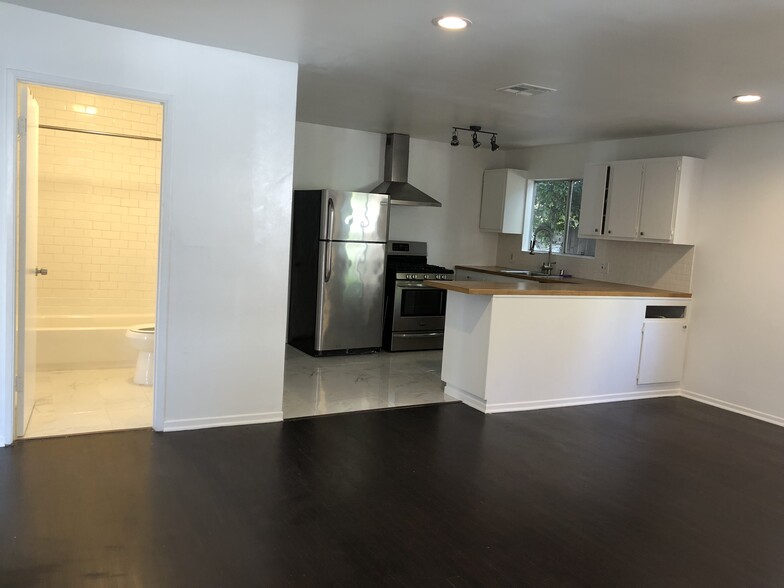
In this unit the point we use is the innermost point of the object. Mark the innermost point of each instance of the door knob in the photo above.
(41, 271)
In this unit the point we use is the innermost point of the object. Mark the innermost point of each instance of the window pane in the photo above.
(551, 201)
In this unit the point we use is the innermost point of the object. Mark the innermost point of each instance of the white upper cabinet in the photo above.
(623, 199)
(642, 200)
(592, 205)
(670, 194)
(658, 199)
(503, 201)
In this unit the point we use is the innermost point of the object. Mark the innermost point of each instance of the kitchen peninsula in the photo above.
(524, 344)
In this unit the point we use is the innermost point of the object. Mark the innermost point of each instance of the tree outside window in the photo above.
(556, 205)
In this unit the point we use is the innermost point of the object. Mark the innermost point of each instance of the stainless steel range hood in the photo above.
(396, 175)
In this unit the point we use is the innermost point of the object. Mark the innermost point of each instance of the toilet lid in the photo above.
(147, 329)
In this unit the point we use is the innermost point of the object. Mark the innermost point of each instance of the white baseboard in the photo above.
(222, 421)
(576, 401)
(482, 405)
(750, 412)
(466, 397)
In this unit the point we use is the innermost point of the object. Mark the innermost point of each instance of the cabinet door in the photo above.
(514, 202)
(623, 200)
(659, 196)
(592, 205)
(662, 352)
(491, 217)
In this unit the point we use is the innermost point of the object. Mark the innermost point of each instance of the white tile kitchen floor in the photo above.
(85, 401)
(345, 383)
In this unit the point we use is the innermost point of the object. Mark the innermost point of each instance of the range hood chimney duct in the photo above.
(396, 175)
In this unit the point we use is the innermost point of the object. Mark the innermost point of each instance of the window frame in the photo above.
(529, 212)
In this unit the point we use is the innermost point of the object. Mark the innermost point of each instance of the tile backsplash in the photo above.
(98, 204)
(654, 265)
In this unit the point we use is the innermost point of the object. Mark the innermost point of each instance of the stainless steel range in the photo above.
(413, 312)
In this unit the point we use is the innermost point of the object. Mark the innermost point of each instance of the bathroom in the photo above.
(92, 310)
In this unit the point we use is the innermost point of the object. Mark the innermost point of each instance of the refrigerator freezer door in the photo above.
(350, 304)
(354, 216)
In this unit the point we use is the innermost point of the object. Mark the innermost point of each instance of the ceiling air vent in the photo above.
(526, 89)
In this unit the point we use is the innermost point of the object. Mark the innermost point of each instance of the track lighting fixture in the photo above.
(475, 130)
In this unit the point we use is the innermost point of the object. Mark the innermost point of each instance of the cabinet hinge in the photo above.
(21, 126)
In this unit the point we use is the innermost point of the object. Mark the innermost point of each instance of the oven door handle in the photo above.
(402, 285)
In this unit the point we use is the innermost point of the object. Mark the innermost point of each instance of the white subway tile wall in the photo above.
(98, 205)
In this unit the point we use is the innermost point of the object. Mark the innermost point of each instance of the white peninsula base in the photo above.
(511, 353)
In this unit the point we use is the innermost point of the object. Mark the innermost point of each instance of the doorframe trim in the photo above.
(8, 213)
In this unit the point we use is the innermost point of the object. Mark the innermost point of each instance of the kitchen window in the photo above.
(556, 204)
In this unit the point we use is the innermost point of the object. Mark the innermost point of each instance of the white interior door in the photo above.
(27, 260)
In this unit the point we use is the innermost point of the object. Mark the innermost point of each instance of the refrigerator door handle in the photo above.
(328, 264)
(330, 218)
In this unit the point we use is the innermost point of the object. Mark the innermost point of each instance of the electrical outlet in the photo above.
(604, 267)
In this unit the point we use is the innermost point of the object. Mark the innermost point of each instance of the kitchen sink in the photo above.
(529, 273)
(515, 271)
(537, 276)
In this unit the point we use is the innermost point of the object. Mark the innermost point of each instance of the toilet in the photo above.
(142, 337)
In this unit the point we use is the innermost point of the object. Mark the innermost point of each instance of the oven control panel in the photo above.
(420, 277)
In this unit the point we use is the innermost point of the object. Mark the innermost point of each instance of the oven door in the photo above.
(418, 307)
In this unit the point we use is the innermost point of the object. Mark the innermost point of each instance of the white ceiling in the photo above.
(622, 68)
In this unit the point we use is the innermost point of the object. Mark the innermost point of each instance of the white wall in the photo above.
(343, 159)
(736, 339)
(228, 153)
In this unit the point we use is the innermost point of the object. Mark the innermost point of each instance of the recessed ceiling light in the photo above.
(453, 23)
(747, 98)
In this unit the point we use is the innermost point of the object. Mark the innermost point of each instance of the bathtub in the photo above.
(86, 341)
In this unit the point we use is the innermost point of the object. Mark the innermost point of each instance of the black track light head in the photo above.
(475, 130)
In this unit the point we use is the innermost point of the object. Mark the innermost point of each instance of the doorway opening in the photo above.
(88, 177)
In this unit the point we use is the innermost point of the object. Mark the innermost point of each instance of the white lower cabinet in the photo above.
(662, 351)
(499, 351)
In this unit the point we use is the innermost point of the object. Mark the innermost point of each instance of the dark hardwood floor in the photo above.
(663, 492)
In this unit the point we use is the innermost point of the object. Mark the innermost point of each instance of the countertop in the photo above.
(528, 287)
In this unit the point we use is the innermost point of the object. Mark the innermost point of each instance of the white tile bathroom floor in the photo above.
(325, 385)
(86, 401)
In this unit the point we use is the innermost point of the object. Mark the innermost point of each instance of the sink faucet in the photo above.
(547, 267)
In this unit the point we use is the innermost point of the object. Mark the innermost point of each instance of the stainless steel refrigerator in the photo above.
(336, 281)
